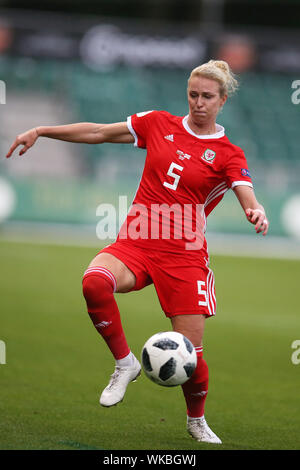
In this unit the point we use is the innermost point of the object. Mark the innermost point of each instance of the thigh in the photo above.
(125, 278)
(127, 263)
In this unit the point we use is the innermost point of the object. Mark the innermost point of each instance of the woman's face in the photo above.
(204, 100)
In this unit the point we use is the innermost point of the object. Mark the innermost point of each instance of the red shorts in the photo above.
(183, 285)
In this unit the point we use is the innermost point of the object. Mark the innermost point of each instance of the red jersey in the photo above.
(183, 171)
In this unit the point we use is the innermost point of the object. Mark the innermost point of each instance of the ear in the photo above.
(223, 100)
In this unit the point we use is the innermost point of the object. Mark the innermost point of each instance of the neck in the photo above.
(204, 128)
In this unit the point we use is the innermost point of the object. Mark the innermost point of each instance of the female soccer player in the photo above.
(190, 164)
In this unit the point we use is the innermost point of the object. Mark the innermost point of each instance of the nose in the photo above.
(199, 102)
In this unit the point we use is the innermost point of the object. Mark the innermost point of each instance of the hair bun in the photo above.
(221, 64)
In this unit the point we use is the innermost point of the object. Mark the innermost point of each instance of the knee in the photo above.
(96, 289)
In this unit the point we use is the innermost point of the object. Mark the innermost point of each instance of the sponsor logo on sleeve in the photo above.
(245, 172)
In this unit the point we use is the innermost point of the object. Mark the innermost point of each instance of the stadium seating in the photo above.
(260, 118)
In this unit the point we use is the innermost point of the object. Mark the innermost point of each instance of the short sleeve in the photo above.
(237, 172)
(139, 125)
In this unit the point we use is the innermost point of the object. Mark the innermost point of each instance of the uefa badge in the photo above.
(209, 156)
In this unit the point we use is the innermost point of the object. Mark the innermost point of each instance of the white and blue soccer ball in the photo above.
(168, 358)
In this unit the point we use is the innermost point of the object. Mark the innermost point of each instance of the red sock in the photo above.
(195, 389)
(99, 285)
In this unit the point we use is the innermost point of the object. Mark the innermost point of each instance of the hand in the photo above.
(258, 218)
(27, 140)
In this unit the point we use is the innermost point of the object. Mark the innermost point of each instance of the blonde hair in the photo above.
(219, 71)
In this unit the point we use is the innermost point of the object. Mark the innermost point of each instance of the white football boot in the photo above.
(122, 376)
(199, 430)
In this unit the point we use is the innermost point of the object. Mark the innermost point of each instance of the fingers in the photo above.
(27, 140)
(24, 149)
(12, 149)
(266, 227)
(253, 214)
(258, 217)
(262, 226)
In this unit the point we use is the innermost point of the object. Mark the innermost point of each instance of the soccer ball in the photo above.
(168, 358)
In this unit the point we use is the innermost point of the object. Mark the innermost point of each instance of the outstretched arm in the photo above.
(254, 211)
(83, 132)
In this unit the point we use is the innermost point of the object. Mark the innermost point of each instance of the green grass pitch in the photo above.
(56, 363)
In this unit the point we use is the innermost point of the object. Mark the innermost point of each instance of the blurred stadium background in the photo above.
(64, 62)
(68, 61)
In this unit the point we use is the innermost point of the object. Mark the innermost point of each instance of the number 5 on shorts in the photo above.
(202, 292)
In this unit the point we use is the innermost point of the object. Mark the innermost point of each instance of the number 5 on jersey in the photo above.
(173, 175)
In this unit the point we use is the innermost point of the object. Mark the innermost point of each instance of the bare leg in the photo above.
(191, 326)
